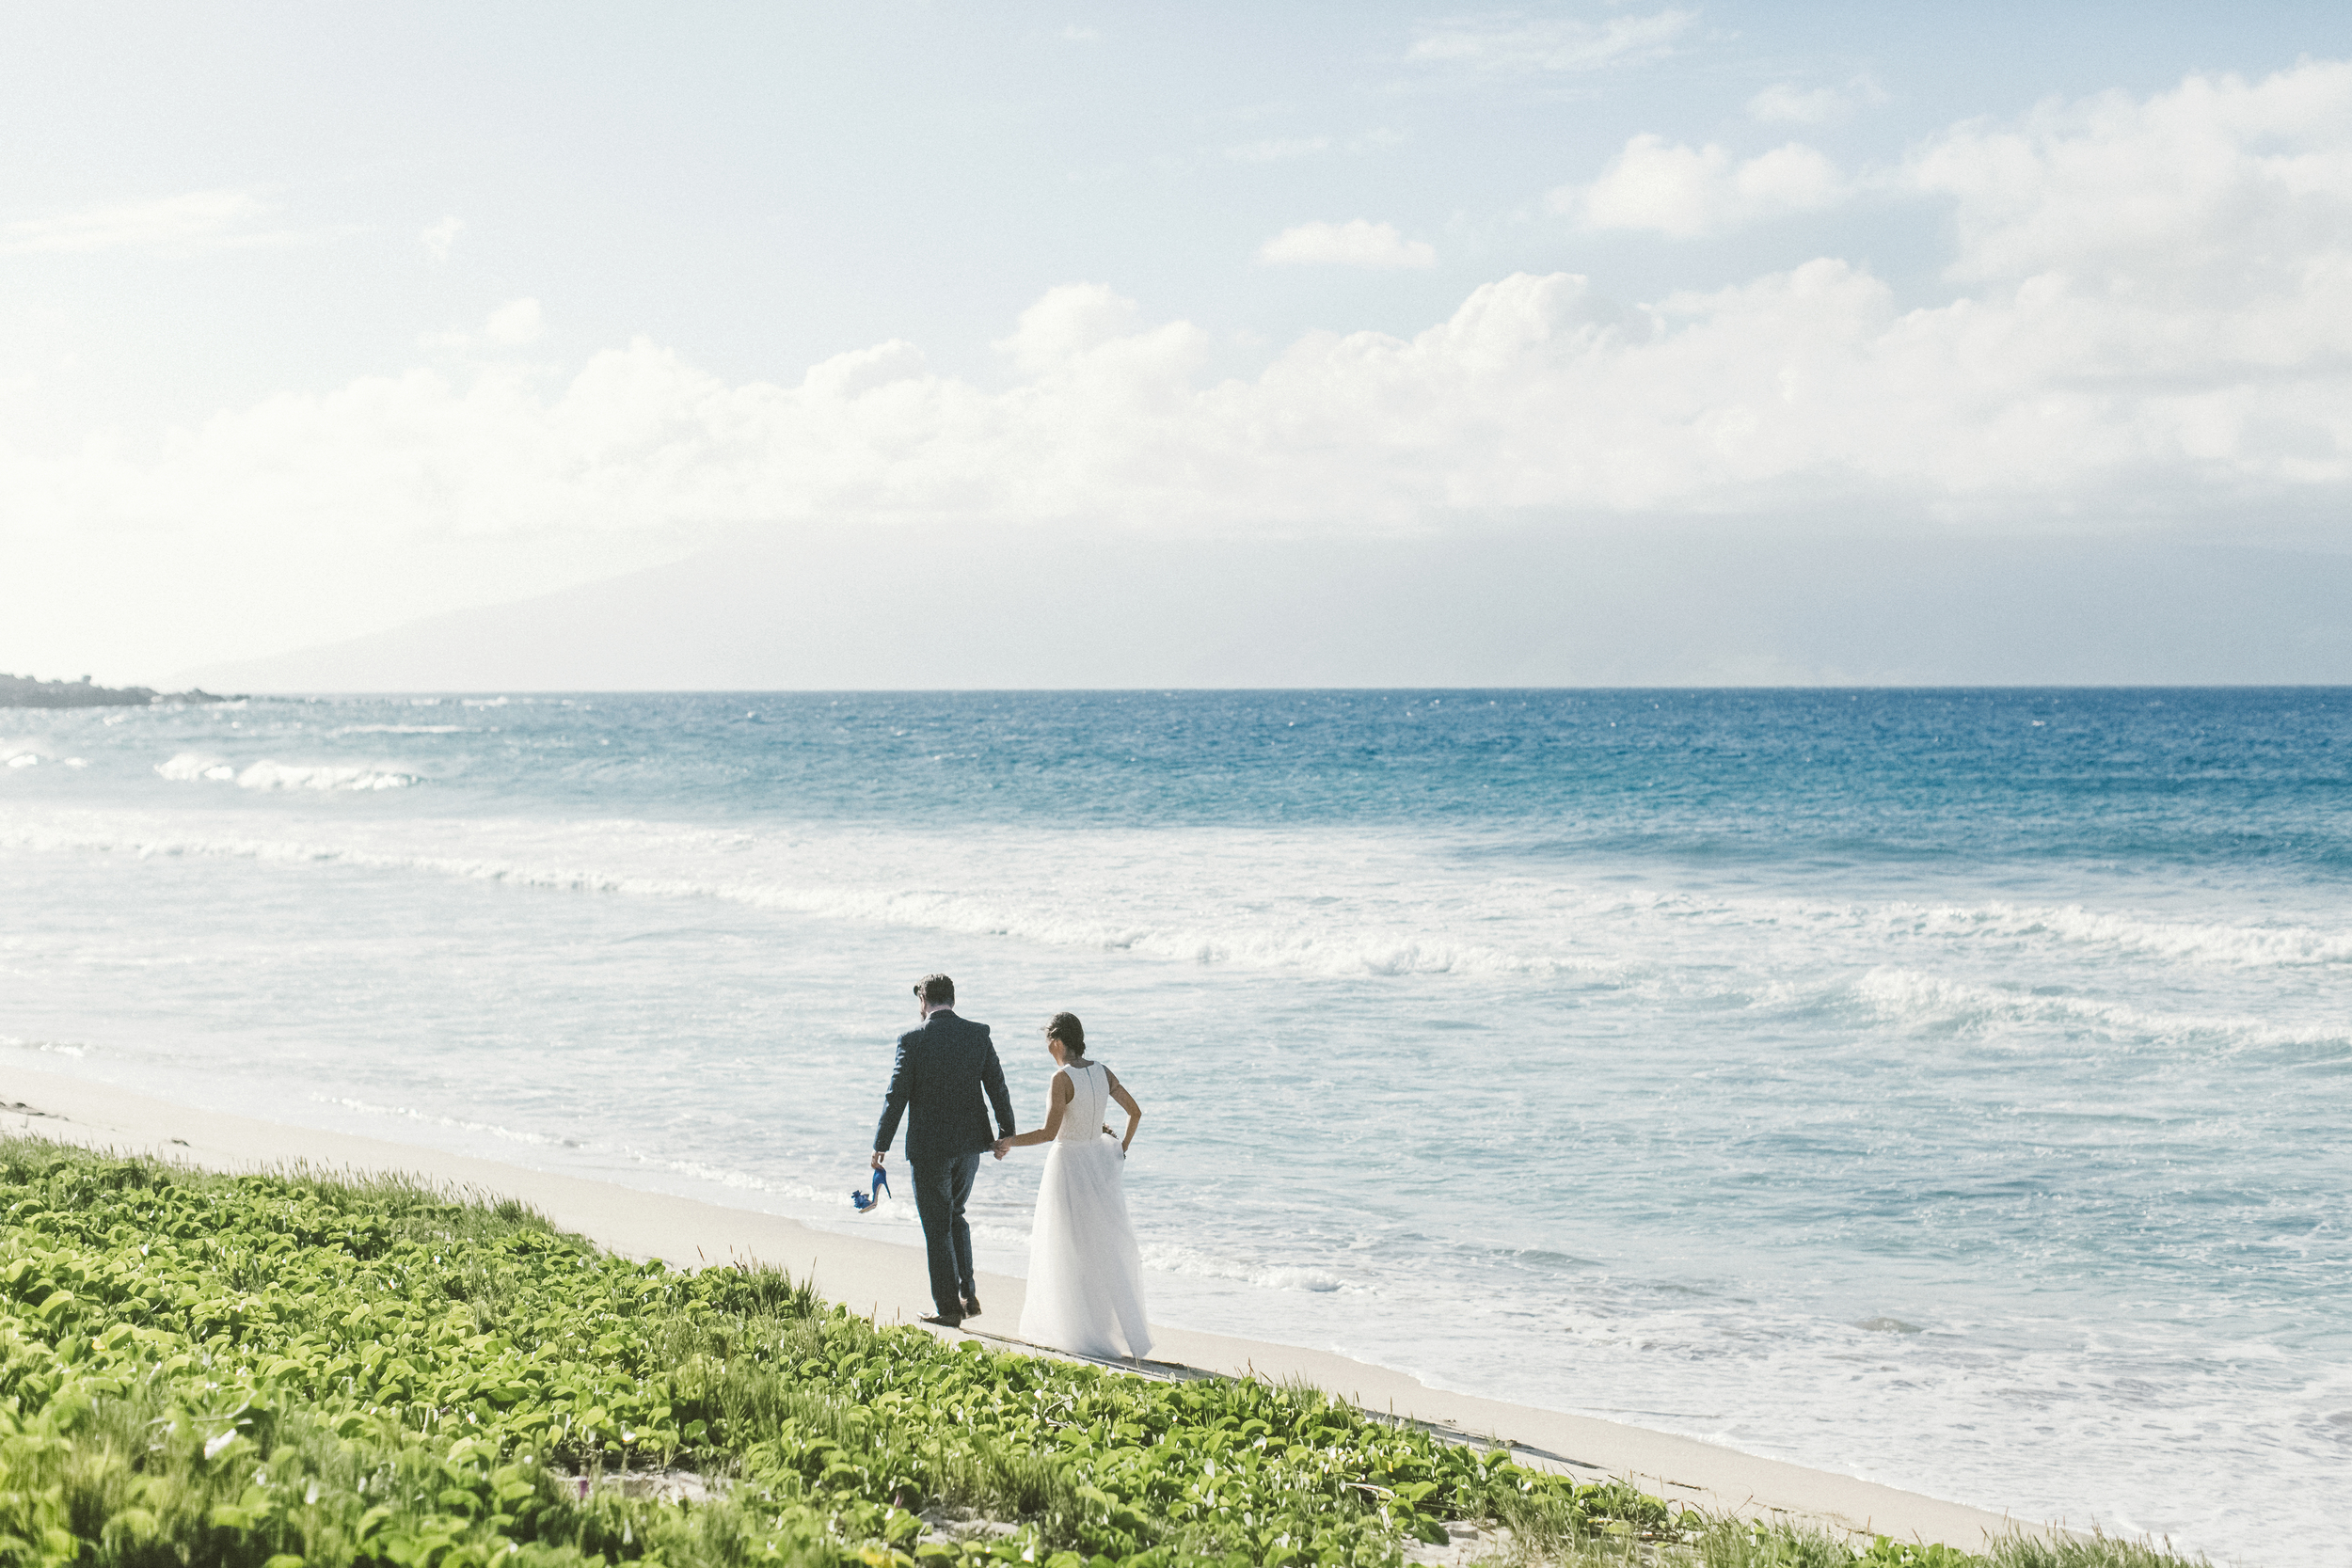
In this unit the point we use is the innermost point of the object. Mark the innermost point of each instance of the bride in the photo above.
(1085, 1278)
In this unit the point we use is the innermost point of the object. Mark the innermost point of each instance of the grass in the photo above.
(299, 1371)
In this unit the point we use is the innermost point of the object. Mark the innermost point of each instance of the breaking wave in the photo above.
(1265, 1276)
(2211, 942)
(1162, 908)
(199, 767)
(1909, 1000)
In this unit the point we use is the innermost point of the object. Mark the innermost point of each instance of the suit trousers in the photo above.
(941, 1187)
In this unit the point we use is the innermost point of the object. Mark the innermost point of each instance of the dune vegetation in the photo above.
(299, 1371)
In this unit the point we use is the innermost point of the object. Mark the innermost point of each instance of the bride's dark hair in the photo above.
(1066, 1028)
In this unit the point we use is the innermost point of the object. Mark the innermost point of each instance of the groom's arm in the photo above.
(893, 1101)
(992, 1080)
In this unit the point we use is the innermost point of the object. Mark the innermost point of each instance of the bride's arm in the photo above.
(1060, 1103)
(1126, 1103)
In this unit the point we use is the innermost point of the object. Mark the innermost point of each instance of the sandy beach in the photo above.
(886, 1280)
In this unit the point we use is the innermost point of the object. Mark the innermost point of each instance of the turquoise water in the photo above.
(1946, 1088)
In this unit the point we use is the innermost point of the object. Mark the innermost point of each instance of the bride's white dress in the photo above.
(1085, 1276)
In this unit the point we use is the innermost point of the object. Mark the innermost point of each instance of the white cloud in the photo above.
(1686, 192)
(1785, 104)
(438, 238)
(2220, 190)
(2151, 321)
(200, 220)
(517, 320)
(1513, 44)
(1358, 243)
(1065, 324)
(861, 371)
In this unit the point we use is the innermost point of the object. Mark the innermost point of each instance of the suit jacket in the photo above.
(942, 1071)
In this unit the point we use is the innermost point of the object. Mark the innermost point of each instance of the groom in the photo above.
(941, 1071)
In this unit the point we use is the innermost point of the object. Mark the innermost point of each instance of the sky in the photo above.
(317, 320)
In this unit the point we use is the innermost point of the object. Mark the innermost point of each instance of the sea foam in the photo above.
(198, 767)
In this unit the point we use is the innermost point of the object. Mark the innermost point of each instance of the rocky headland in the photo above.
(25, 692)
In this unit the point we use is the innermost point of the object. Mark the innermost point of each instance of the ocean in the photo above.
(1944, 1087)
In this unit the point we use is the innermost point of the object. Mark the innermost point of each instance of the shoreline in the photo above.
(885, 1280)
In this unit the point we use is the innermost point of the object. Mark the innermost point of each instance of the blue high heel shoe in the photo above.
(881, 1189)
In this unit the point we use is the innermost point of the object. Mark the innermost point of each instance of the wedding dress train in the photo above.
(1086, 1276)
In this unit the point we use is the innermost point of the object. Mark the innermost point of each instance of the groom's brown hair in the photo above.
(936, 991)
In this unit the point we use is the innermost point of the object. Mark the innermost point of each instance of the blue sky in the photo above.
(315, 319)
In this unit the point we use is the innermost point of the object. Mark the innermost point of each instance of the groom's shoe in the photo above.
(940, 1319)
(971, 1306)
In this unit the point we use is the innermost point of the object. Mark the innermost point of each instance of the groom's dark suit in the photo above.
(942, 1069)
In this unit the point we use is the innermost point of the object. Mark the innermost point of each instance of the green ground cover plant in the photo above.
(298, 1371)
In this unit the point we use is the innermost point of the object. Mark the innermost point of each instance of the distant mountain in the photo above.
(25, 692)
(943, 610)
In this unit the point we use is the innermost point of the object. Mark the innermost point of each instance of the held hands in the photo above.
(1002, 1147)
